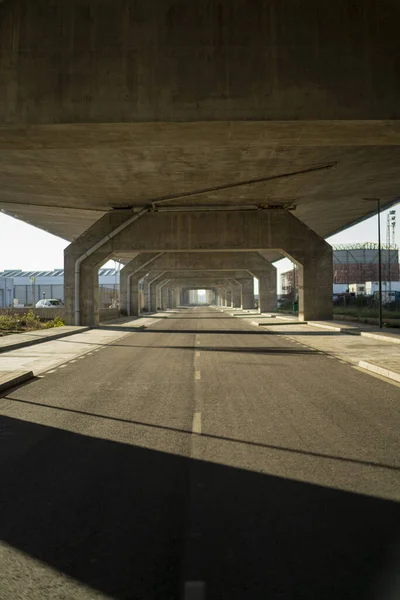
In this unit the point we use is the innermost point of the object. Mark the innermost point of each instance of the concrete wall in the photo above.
(107, 314)
(117, 60)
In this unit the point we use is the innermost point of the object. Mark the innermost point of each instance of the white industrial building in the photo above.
(390, 289)
(27, 287)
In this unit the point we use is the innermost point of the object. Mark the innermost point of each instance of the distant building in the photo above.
(352, 264)
(390, 290)
(30, 286)
(6, 291)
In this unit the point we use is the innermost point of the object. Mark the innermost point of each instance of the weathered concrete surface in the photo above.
(202, 231)
(211, 261)
(267, 290)
(113, 103)
(208, 61)
(177, 261)
(247, 285)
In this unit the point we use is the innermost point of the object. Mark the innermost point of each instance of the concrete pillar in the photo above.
(133, 307)
(267, 288)
(229, 297)
(164, 297)
(315, 286)
(237, 297)
(121, 233)
(247, 293)
(174, 294)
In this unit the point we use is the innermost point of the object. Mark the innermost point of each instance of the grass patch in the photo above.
(355, 311)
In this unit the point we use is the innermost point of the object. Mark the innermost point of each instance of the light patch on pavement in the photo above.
(195, 590)
(196, 425)
(197, 375)
(197, 354)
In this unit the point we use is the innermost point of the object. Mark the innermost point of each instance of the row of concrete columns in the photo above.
(221, 251)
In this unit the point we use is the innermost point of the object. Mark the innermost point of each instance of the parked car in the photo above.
(49, 303)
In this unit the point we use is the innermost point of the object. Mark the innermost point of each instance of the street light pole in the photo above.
(380, 263)
(378, 203)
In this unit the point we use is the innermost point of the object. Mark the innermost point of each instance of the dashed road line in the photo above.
(196, 425)
(197, 374)
(197, 354)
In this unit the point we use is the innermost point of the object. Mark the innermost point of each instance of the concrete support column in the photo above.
(134, 305)
(237, 297)
(164, 297)
(247, 293)
(229, 297)
(173, 292)
(267, 288)
(315, 286)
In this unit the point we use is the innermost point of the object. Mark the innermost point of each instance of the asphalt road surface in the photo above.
(201, 450)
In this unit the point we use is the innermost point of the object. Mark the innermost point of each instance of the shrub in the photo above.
(8, 322)
(56, 322)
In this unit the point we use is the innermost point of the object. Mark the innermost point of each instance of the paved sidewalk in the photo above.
(20, 340)
(368, 350)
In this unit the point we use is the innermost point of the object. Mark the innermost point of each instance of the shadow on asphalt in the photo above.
(137, 523)
(244, 349)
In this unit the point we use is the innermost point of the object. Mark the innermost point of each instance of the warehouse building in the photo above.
(25, 288)
(354, 264)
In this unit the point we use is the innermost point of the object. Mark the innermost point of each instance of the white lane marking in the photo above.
(197, 354)
(197, 374)
(72, 361)
(52, 371)
(198, 343)
(196, 425)
(62, 367)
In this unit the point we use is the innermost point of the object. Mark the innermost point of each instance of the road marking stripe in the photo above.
(61, 366)
(197, 374)
(52, 371)
(197, 354)
(196, 425)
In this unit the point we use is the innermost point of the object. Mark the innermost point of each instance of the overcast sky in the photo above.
(25, 247)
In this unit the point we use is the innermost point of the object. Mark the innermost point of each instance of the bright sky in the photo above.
(25, 247)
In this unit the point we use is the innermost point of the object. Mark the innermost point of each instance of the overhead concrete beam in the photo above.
(143, 264)
(201, 231)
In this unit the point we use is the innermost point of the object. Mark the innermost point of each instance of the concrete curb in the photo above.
(376, 336)
(40, 340)
(356, 331)
(15, 379)
(329, 327)
(379, 370)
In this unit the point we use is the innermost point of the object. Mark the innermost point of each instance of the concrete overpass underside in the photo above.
(116, 104)
(194, 106)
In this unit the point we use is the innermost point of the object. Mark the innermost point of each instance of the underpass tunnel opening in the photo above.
(197, 297)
